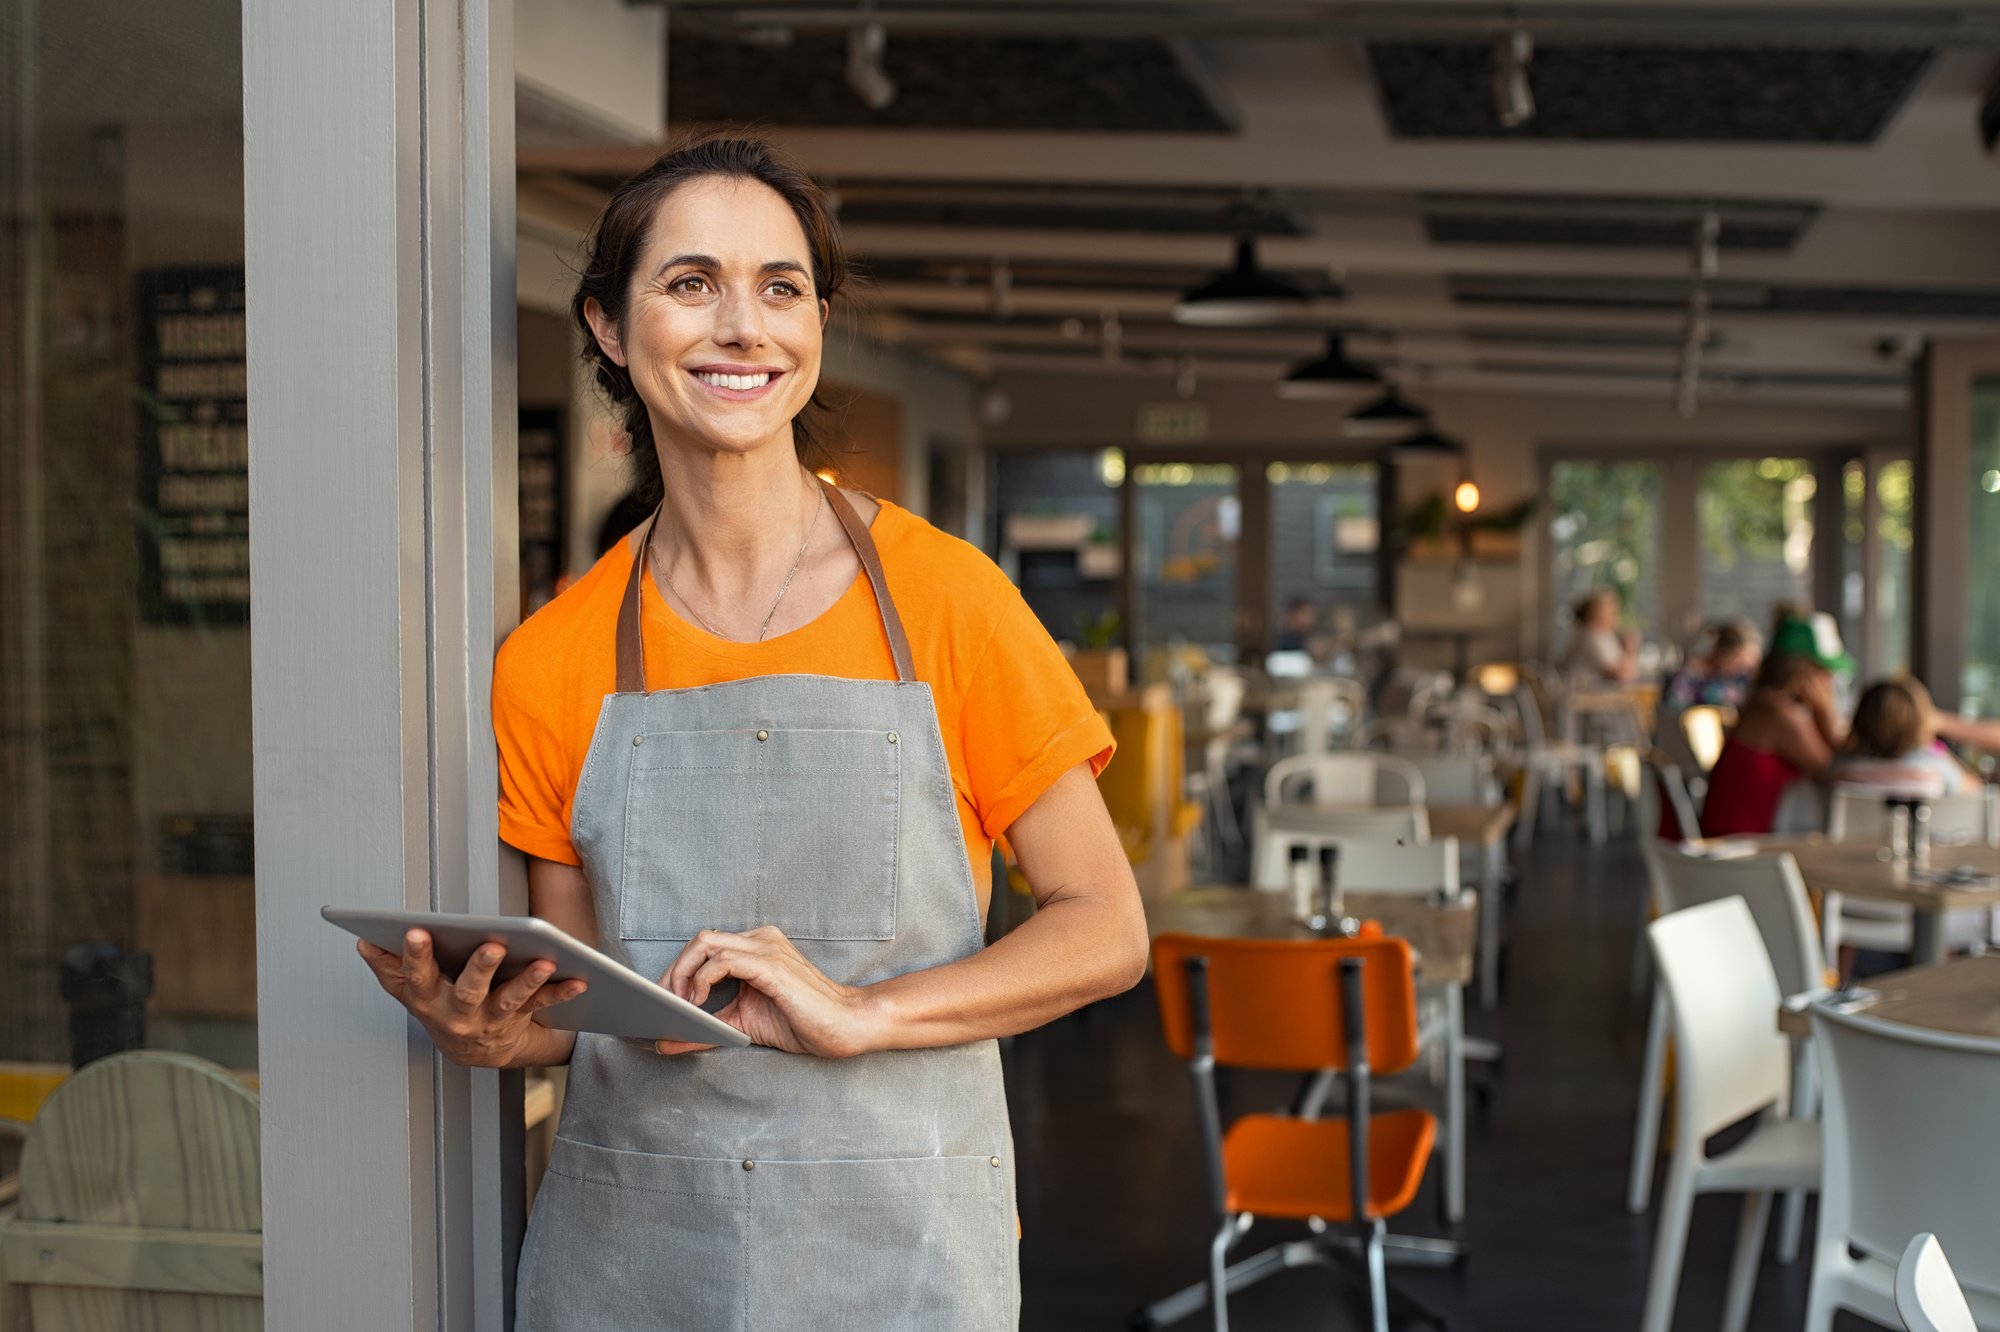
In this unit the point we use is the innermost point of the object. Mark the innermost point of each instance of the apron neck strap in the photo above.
(631, 651)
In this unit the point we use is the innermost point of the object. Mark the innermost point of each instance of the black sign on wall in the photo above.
(542, 463)
(194, 447)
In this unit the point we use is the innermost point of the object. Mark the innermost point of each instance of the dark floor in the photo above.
(1111, 1198)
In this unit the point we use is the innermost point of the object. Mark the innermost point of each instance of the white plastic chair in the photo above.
(1909, 1129)
(1927, 1290)
(1379, 865)
(1858, 814)
(1775, 895)
(1454, 779)
(1329, 707)
(1732, 1064)
(1275, 830)
(1347, 778)
(1662, 784)
(1368, 863)
(1219, 709)
(1543, 760)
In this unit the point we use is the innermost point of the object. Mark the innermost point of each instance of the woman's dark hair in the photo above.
(611, 258)
(1730, 636)
(1786, 670)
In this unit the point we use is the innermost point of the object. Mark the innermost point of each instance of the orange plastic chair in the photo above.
(1349, 1005)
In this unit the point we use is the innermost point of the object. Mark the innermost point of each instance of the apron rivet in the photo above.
(638, 739)
(749, 1165)
(993, 1161)
(893, 737)
(761, 737)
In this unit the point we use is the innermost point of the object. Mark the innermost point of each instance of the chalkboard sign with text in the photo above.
(194, 447)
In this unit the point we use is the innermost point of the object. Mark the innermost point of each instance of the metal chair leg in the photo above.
(1378, 1281)
(1218, 1273)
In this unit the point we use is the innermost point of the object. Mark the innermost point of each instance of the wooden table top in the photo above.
(1854, 869)
(1445, 938)
(1961, 996)
(1482, 825)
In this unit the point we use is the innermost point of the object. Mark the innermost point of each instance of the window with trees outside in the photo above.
(1756, 522)
(1604, 531)
(1981, 681)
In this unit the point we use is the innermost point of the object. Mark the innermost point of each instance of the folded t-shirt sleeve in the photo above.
(1025, 717)
(535, 782)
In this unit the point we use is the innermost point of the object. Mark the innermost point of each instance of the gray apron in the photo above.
(754, 1190)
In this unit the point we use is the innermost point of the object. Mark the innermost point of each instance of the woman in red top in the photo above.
(1788, 729)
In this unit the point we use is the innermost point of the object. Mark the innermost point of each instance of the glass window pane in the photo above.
(1604, 531)
(1189, 521)
(1756, 523)
(1981, 684)
(1059, 541)
(1896, 490)
(1853, 524)
(125, 813)
(1325, 532)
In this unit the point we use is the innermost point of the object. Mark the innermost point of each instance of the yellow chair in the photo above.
(1144, 785)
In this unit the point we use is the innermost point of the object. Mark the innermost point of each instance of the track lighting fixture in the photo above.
(1385, 417)
(1331, 375)
(1426, 446)
(1243, 295)
(1513, 97)
(866, 43)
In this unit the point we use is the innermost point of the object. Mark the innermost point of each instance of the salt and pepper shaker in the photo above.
(1899, 831)
(1328, 915)
(1920, 836)
(1303, 884)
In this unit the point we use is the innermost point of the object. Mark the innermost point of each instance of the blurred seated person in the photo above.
(1599, 652)
(1296, 625)
(1721, 676)
(1787, 730)
(1894, 744)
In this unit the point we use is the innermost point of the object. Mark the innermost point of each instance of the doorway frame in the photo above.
(379, 253)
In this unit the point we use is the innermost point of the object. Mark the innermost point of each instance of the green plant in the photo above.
(1432, 518)
(1098, 632)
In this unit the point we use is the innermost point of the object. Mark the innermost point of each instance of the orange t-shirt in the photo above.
(1014, 715)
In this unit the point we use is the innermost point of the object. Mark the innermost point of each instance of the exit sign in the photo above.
(1171, 423)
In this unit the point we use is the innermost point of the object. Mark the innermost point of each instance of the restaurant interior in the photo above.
(1512, 476)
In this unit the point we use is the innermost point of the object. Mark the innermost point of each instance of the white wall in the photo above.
(939, 405)
(603, 61)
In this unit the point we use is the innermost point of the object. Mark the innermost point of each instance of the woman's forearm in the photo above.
(550, 1049)
(1073, 951)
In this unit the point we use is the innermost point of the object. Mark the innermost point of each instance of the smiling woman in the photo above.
(633, 287)
(751, 746)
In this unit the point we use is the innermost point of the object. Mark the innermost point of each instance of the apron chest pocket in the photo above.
(729, 830)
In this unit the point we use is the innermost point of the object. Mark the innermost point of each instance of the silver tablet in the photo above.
(618, 1002)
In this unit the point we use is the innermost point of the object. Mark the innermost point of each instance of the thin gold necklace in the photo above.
(784, 587)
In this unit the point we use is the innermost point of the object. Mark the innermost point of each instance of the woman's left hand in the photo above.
(785, 1001)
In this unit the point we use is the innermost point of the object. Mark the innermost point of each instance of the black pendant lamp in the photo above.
(1384, 418)
(1241, 296)
(1427, 445)
(1332, 375)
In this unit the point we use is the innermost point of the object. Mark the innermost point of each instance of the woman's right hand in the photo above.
(472, 1021)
